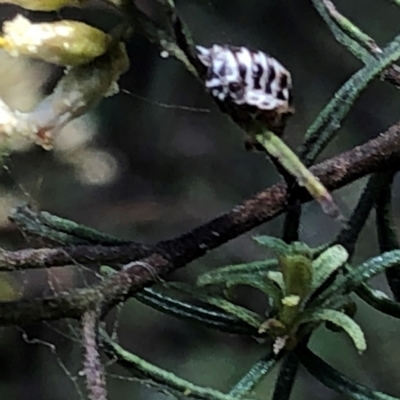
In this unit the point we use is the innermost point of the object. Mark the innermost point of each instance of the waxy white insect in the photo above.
(246, 77)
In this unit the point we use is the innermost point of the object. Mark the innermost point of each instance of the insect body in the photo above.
(253, 88)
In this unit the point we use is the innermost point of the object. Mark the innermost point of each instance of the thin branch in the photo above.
(93, 368)
(379, 154)
(333, 379)
(286, 378)
(348, 236)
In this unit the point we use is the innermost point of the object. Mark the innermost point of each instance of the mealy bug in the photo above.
(250, 85)
(255, 90)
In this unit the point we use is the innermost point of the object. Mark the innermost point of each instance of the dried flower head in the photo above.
(251, 84)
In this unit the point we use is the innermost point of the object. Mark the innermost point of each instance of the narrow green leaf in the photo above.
(335, 380)
(239, 312)
(358, 275)
(253, 377)
(258, 269)
(277, 278)
(185, 310)
(329, 120)
(273, 243)
(327, 263)
(305, 178)
(342, 29)
(201, 314)
(270, 289)
(341, 320)
(60, 230)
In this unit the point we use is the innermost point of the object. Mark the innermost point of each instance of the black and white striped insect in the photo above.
(250, 84)
(246, 77)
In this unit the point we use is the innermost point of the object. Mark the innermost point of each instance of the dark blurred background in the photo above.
(158, 159)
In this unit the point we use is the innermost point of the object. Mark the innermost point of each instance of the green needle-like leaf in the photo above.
(200, 314)
(178, 308)
(277, 278)
(292, 164)
(327, 263)
(253, 377)
(239, 312)
(269, 288)
(273, 243)
(257, 269)
(358, 275)
(341, 320)
(329, 120)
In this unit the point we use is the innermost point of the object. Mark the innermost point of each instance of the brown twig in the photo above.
(378, 154)
(93, 368)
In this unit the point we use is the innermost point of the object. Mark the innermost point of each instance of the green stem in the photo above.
(160, 375)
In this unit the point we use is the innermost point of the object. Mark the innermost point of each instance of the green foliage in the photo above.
(304, 287)
(294, 312)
